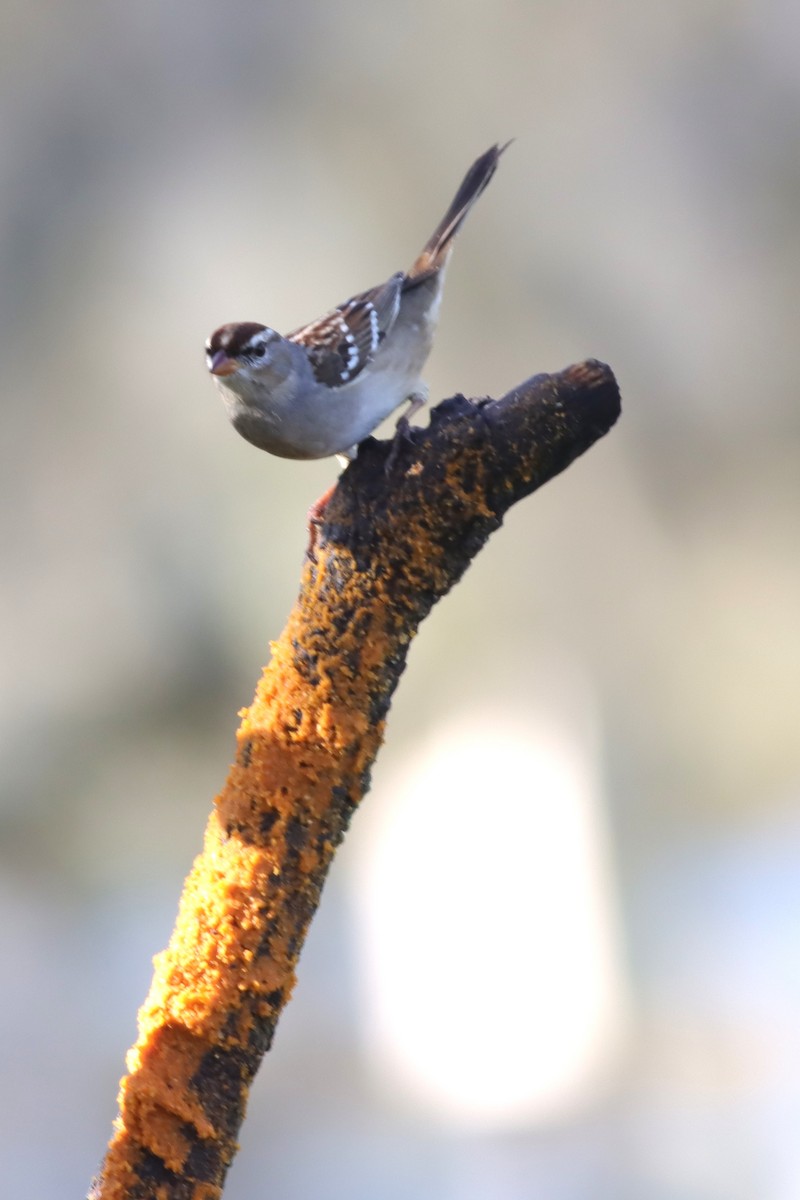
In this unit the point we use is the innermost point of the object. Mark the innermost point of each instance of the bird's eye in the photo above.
(258, 350)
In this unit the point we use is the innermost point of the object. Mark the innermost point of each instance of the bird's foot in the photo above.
(402, 431)
(315, 514)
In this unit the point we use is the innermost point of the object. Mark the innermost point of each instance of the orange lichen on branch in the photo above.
(230, 963)
(388, 550)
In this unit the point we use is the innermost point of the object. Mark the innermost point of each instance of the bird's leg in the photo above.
(402, 431)
(416, 401)
(317, 509)
(315, 522)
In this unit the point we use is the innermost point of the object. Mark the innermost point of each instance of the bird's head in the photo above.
(239, 351)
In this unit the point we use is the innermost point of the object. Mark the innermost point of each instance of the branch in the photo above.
(393, 542)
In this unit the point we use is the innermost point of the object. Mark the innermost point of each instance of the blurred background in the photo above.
(614, 1014)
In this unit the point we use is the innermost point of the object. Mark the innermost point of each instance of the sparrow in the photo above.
(322, 389)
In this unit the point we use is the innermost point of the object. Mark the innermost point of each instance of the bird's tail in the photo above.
(437, 249)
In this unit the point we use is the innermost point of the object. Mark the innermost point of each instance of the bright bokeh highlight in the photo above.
(492, 983)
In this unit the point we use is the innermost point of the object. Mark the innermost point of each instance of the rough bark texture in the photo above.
(392, 543)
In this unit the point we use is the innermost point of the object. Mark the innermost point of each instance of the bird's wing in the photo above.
(340, 344)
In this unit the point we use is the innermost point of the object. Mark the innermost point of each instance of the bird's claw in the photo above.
(315, 523)
(402, 430)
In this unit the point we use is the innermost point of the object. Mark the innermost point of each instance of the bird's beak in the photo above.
(222, 365)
